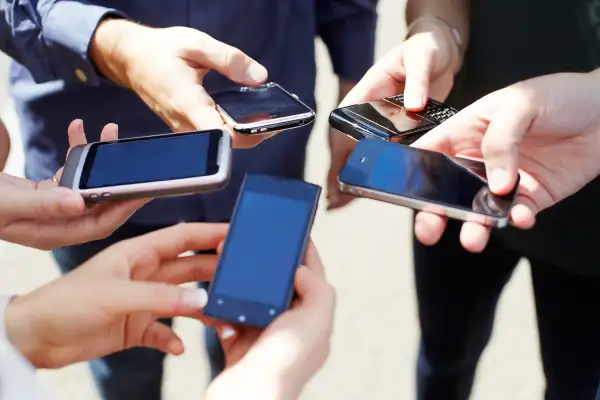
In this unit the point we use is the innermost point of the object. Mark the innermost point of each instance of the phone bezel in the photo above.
(277, 124)
(174, 187)
(257, 314)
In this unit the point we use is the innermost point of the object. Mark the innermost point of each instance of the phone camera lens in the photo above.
(301, 122)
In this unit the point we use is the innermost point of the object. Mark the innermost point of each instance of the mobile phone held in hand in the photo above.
(262, 109)
(387, 119)
(150, 166)
(270, 228)
(424, 180)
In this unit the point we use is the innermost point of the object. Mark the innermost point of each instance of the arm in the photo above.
(348, 30)
(51, 37)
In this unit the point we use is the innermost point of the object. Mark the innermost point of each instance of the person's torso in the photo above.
(514, 40)
(278, 33)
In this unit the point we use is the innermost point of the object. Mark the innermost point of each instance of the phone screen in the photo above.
(423, 175)
(258, 104)
(266, 241)
(389, 116)
(151, 159)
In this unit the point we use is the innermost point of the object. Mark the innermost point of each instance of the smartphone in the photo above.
(150, 166)
(262, 109)
(271, 224)
(424, 180)
(387, 119)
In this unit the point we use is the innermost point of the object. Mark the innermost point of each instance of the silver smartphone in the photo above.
(150, 166)
(262, 109)
(424, 180)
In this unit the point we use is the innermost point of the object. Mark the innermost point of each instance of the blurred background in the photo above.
(366, 248)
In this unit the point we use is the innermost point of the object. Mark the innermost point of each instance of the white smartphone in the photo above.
(424, 180)
(172, 164)
(262, 109)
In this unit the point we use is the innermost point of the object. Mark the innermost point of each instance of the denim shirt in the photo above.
(49, 40)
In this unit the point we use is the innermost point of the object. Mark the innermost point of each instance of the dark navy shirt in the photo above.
(50, 38)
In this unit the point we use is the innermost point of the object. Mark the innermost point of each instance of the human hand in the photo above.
(276, 363)
(45, 216)
(166, 67)
(423, 66)
(113, 301)
(548, 128)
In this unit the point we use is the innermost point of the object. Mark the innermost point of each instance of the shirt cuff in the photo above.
(351, 48)
(68, 28)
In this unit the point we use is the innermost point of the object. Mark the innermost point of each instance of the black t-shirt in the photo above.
(513, 40)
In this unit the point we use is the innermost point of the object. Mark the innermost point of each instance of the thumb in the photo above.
(418, 67)
(40, 204)
(160, 299)
(227, 60)
(500, 146)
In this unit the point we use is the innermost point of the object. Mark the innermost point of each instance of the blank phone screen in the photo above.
(423, 175)
(151, 159)
(258, 104)
(272, 220)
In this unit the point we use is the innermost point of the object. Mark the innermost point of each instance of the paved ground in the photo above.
(368, 257)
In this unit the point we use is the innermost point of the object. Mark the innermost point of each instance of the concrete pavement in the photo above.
(366, 249)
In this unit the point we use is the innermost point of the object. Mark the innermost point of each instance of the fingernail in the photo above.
(257, 72)
(196, 298)
(414, 101)
(81, 130)
(227, 333)
(498, 179)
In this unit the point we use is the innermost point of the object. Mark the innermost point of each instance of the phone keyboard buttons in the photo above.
(242, 318)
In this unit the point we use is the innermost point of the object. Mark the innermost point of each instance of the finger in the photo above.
(162, 300)
(109, 133)
(312, 288)
(523, 213)
(384, 79)
(76, 134)
(429, 228)
(474, 237)
(196, 268)
(312, 259)
(171, 242)
(227, 334)
(500, 145)
(195, 108)
(227, 60)
(161, 337)
(418, 69)
(41, 204)
(220, 247)
(246, 141)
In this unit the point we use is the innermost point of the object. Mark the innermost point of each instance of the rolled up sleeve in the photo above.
(51, 38)
(348, 29)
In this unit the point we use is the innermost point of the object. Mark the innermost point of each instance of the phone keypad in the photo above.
(439, 112)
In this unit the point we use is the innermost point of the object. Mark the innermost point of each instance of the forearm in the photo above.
(455, 12)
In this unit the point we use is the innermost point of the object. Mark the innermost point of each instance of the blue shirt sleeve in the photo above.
(51, 37)
(348, 29)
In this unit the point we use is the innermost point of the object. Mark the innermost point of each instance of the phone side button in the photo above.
(263, 129)
(253, 131)
(105, 195)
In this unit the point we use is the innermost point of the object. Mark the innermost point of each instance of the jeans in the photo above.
(458, 293)
(135, 373)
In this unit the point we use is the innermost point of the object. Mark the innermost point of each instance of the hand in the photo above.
(113, 301)
(166, 67)
(547, 128)
(423, 66)
(45, 216)
(277, 362)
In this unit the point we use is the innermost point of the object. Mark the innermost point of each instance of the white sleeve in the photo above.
(18, 379)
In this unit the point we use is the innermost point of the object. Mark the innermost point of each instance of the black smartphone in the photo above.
(266, 243)
(388, 119)
(424, 180)
(150, 166)
(262, 109)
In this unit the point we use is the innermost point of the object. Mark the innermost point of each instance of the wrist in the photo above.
(451, 36)
(18, 324)
(239, 381)
(109, 49)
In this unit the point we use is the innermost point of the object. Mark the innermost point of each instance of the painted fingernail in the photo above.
(196, 298)
(227, 333)
(257, 72)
